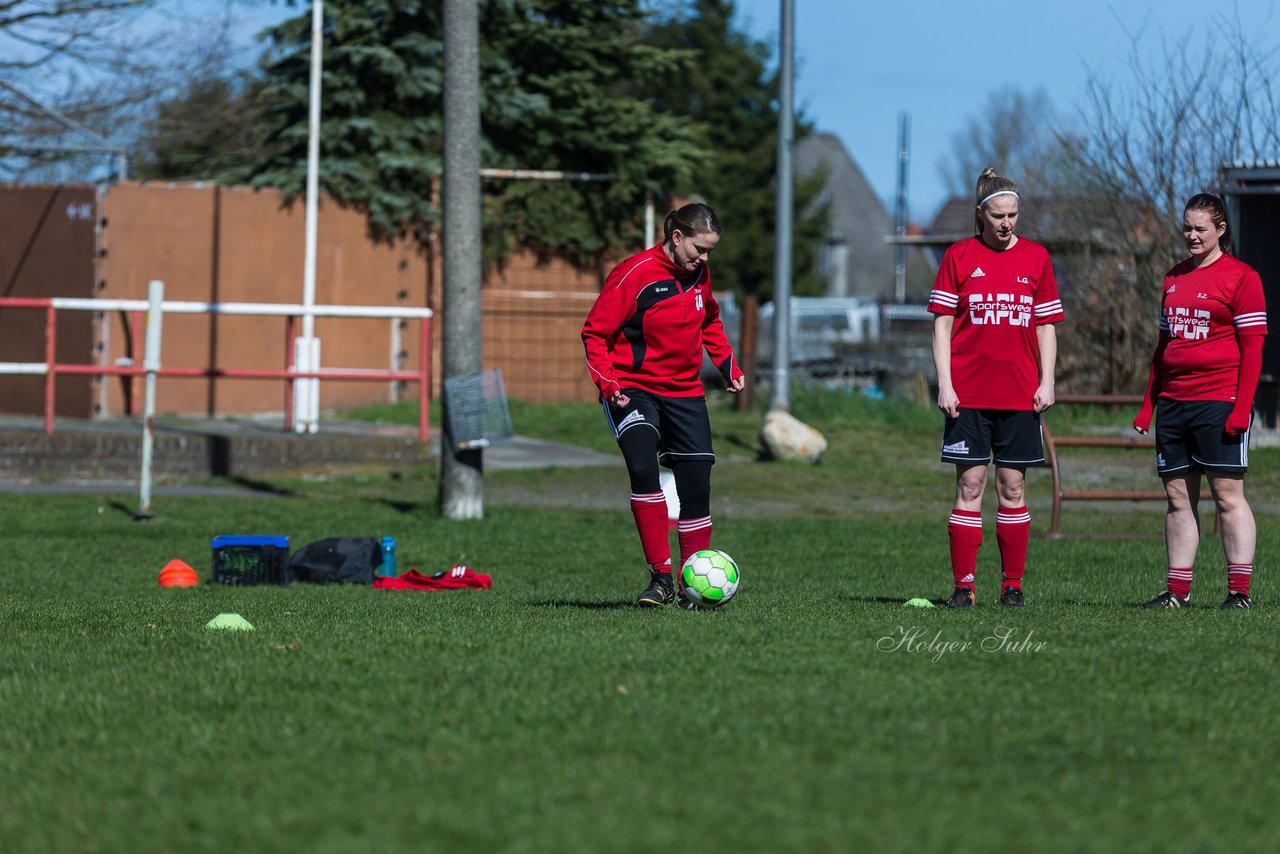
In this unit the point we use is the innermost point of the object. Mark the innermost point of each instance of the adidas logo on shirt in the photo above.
(977, 272)
(956, 448)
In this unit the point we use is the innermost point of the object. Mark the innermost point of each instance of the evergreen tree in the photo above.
(557, 94)
(730, 89)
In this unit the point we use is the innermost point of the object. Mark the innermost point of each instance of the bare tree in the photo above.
(56, 64)
(103, 66)
(1014, 130)
(36, 33)
(1142, 147)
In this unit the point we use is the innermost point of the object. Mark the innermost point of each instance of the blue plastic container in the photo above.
(388, 567)
(250, 560)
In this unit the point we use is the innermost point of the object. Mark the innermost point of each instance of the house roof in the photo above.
(1045, 220)
(1056, 222)
(858, 217)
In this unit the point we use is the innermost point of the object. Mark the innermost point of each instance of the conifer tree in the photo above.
(558, 80)
(730, 87)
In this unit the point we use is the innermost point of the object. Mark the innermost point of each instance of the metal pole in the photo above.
(781, 398)
(151, 364)
(306, 402)
(649, 236)
(424, 379)
(50, 366)
(900, 214)
(461, 471)
(60, 118)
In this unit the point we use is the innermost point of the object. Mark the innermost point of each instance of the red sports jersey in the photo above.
(1204, 311)
(649, 326)
(458, 578)
(998, 298)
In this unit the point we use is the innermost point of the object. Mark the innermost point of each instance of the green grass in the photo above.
(548, 714)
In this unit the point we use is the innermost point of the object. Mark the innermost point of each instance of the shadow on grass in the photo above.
(585, 605)
(886, 600)
(759, 455)
(404, 507)
(262, 486)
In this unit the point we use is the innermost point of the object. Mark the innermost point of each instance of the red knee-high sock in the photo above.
(650, 511)
(1180, 581)
(694, 536)
(965, 533)
(1238, 577)
(1013, 528)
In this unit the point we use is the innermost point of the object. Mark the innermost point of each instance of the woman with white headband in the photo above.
(995, 303)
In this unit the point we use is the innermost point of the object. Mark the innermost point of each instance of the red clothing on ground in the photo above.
(648, 328)
(457, 578)
(998, 298)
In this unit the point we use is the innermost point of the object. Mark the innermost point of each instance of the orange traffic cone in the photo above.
(178, 574)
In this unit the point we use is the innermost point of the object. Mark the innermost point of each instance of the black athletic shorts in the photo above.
(1013, 435)
(1190, 435)
(681, 424)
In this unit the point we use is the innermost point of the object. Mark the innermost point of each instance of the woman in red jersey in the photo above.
(1204, 373)
(644, 339)
(994, 348)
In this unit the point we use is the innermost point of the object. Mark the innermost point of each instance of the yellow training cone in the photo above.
(235, 622)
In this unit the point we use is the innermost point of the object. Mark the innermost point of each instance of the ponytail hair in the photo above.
(693, 218)
(1217, 214)
(989, 185)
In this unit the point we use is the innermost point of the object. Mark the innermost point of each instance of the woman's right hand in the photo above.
(948, 402)
(619, 399)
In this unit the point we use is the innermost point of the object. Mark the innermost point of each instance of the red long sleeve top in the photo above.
(649, 326)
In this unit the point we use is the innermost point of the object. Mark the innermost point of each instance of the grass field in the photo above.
(816, 712)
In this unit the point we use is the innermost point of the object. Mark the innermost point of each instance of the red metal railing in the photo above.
(51, 368)
(1052, 443)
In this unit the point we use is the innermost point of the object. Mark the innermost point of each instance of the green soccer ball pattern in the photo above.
(709, 578)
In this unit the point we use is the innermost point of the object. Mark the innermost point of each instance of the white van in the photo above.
(822, 328)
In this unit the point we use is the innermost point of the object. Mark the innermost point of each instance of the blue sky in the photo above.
(860, 64)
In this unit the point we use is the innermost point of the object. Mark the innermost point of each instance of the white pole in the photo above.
(649, 237)
(151, 364)
(394, 393)
(307, 392)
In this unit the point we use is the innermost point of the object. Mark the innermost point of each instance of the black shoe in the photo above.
(1168, 600)
(661, 591)
(685, 602)
(1011, 597)
(961, 597)
(1237, 600)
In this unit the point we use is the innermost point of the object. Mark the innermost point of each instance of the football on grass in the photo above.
(709, 578)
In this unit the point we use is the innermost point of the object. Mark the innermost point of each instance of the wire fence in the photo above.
(535, 338)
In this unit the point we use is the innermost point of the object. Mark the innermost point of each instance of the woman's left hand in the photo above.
(737, 385)
(1238, 422)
